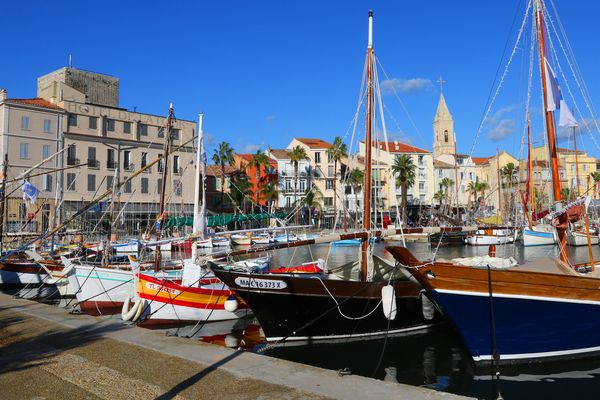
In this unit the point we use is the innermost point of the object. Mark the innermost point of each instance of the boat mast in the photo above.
(576, 160)
(161, 209)
(550, 126)
(530, 185)
(499, 185)
(368, 149)
(199, 227)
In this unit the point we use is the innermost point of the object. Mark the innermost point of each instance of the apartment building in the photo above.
(266, 175)
(105, 144)
(288, 189)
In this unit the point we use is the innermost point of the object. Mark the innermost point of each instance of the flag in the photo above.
(30, 192)
(566, 118)
(552, 88)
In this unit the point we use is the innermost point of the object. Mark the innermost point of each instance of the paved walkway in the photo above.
(46, 353)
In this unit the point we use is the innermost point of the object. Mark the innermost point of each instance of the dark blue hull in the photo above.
(526, 328)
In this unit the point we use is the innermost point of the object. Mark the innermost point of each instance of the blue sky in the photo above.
(264, 72)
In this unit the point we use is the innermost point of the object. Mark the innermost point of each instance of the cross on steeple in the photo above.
(441, 82)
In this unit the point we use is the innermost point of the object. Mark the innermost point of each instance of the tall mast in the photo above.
(499, 184)
(530, 185)
(161, 209)
(200, 204)
(576, 160)
(549, 124)
(369, 128)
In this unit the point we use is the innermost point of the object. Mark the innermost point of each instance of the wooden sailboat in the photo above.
(539, 310)
(321, 305)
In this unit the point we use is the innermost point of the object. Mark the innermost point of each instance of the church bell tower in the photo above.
(444, 141)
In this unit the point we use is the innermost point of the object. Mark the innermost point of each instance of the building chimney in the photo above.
(3, 94)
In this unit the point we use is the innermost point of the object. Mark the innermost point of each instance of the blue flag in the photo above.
(30, 192)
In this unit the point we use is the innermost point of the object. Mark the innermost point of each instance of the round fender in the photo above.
(128, 313)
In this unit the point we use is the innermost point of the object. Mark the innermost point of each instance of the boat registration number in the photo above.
(161, 288)
(260, 283)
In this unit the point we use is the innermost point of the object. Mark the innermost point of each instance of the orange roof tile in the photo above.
(397, 147)
(37, 102)
(215, 170)
(315, 143)
(481, 160)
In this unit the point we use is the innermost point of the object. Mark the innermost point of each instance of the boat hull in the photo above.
(20, 274)
(169, 303)
(485, 240)
(534, 237)
(303, 308)
(581, 239)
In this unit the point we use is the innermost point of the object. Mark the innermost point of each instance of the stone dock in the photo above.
(47, 353)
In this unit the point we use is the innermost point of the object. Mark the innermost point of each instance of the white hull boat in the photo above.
(539, 235)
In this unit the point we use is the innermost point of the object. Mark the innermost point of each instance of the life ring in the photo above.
(133, 313)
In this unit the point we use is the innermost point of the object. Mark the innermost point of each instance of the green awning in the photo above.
(220, 220)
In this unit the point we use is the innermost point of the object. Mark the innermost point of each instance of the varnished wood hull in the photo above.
(536, 315)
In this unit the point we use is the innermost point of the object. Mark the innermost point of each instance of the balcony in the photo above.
(128, 167)
(72, 161)
(93, 163)
(177, 171)
(110, 164)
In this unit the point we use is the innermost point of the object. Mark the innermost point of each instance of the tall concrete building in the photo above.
(104, 143)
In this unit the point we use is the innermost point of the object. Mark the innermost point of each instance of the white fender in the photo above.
(128, 313)
(388, 302)
(231, 304)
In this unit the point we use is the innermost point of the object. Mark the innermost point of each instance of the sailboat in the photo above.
(543, 309)
(320, 305)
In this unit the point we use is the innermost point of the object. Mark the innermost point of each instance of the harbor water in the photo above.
(435, 359)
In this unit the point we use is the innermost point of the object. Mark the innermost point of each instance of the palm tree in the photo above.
(336, 152)
(566, 194)
(509, 171)
(223, 155)
(313, 198)
(269, 192)
(439, 196)
(356, 178)
(239, 186)
(472, 188)
(297, 154)
(481, 188)
(405, 172)
(596, 177)
(446, 183)
(258, 160)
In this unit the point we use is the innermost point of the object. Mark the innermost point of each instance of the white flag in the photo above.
(552, 89)
(566, 118)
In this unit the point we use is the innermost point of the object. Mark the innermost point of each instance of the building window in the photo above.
(328, 201)
(160, 165)
(446, 136)
(47, 183)
(91, 161)
(127, 164)
(317, 157)
(93, 123)
(126, 127)
(110, 159)
(72, 155)
(302, 186)
(143, 129)
(159, 185)
(329, 184)
(161, 132)
(176, 166)
(421, 185)
(71, 182)
(144, 160)
(420, 160)
(25, 123)
(177, 188)
(144, 185)
(127, 185)
(110, 125)
(175, 134)
(47, 126)
(329, 158)
(72, 120)
(330, 172)
(109, 182)
(91, 183)
(46, 151)
(24, 151)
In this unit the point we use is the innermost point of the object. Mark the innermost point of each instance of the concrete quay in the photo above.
(47, 353)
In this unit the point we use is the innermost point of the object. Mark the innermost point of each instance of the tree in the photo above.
(296, 155)
(258, 160)
(337, 151)
(481, 188)
(472, 189)
(567, 194)
(596, 177)
(405, 172)
(356, 178)
(313, 198)
(239, 187)
(509, 172)
(269, 192)
(446, 183)
(223, 155)
(439, 196)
